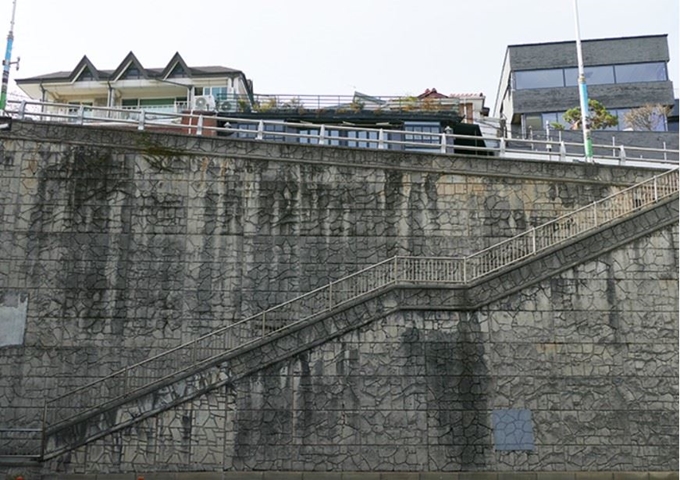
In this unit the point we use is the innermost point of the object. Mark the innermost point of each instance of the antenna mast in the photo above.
(7, 62)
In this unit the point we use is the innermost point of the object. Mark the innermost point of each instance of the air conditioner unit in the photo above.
(203, 102)
(227, 105)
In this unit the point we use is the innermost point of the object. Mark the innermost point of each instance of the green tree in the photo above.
(599, 116)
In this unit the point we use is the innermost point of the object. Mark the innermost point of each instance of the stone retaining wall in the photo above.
(120, 244)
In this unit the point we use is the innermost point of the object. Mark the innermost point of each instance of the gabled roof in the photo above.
(175, 61)
(84, 64)
(129, 60)
(431, 94)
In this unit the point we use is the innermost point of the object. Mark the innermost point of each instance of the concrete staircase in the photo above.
(400, 283)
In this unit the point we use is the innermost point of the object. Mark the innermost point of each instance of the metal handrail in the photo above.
(443, 143)
(395, 270)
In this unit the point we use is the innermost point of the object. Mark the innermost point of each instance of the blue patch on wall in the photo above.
(513, 429)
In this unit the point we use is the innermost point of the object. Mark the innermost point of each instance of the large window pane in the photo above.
(422, 127)
(533, 123)
(311, 139)
(368, 135)
(269, 127)
(602, 75)
(641, 72)
(539, 79)
(657, 121)
(333, 137)
(599, 75)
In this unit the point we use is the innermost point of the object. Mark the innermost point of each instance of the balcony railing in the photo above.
(232, 126)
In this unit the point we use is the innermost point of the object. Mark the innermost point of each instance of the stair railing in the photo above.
(396, 270)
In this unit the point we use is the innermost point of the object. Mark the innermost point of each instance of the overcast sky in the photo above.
(378, 47)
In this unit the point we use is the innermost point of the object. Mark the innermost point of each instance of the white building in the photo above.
(174, 88)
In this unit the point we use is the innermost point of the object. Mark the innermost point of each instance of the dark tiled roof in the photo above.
(157, 72)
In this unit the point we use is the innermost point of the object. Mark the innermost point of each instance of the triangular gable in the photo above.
(129, 65)
(81, 71)
(176, 67)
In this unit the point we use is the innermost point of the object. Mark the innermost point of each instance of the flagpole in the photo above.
(7, 62)
(583, 93)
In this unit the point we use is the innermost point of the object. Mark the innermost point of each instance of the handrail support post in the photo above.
(322, 135)
(199, 128)
(142, 119)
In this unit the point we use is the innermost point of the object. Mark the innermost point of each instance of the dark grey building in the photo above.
(539, 82)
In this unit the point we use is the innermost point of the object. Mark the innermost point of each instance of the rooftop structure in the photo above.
(174, 87)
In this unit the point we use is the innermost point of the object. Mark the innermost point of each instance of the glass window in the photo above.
(150, 102)
(641, 72)
(220, 93)
(549, 118)
(130, 102)
(425, 127)
(274, 127)
(177, 71)
(657, 121)
(539, 79)
(309, 131)
(85, 76)
(246, 130)
(364, 135)
(131, 72)
(533, 123)
(571, 77)
(333, 137)
(602, 75)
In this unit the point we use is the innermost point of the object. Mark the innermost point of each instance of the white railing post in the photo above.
(613, 146)
(81, 114)
(656, 191)
(142, 118)
(381, 139)
(563, 152)
(443, 142)
(322, 135)
(199, 129)
(260, 130)
(622, 155)
(22, 109)
(502, 146)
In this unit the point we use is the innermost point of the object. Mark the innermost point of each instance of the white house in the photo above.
(174, 88)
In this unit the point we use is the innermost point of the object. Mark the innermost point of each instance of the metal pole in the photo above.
(583, 93)
(7, 62)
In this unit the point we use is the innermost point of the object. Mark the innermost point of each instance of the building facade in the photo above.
(539, 82)
(174, 88)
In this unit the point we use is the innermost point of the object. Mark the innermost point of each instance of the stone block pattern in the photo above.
(591, 353)
(129, 243)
